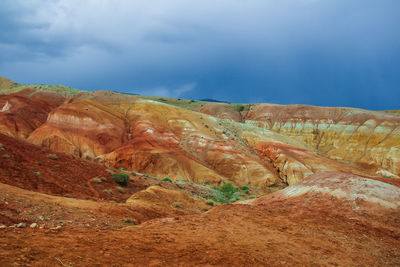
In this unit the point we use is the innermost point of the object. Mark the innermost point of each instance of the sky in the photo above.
(317, 52)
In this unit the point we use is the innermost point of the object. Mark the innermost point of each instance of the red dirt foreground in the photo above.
(329, 219)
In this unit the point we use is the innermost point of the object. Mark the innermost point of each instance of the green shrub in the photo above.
(192, 101)
(121, 178)
(97, 180)
(245, 189)
(239, 108)
(176, 205)
(167, 179)
(127, 220)
(228, 189)
(162, 99)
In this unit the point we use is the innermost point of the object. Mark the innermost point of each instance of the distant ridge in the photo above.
(391, 111)
(6, 83)
(213, 100)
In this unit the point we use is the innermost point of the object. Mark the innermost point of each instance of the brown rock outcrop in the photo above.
(294, 164)
(86, 129)
(169, 141)
(20, 115)
(363, 137)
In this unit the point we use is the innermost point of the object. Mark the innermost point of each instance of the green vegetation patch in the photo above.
(227, 193)
(245, 189)
(121, 178)
(167, 179)
(210, 202)
(239, 108)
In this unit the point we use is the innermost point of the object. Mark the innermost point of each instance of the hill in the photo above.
(309, 185)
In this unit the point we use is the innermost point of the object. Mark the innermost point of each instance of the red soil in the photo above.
(30, 167)
(311, 230)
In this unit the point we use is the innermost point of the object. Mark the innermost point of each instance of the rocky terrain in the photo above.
(107, 179)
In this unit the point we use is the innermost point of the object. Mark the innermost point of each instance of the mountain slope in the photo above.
(263, 146)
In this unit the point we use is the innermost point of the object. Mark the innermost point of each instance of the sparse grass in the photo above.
(226, 193)
(59, 89)
(120, 189)
(121, 178)
(104, 179)
(6, 156)
(210, 202)
(108, 191)
(62, 263)
(97, 180)
(176, 205)
(127, 220)
(37, 174)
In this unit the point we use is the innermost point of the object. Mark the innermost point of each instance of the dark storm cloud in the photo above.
(19, 38)
(331, 52)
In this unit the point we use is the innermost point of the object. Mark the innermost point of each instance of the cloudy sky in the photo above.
(319, 52)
